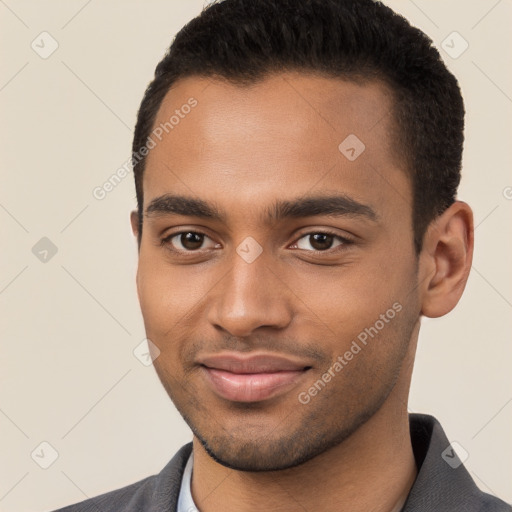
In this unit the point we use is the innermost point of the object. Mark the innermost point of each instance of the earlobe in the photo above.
(134, 220)
(445, 260)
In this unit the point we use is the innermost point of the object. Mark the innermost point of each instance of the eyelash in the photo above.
(344, 242)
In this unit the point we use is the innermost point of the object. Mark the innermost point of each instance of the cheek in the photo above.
(351, 295)
(364, 312)
(169, 294)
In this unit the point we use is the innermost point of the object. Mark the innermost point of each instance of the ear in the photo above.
(134, 219)
(445, 260)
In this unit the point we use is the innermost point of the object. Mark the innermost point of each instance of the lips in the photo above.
(253, 378)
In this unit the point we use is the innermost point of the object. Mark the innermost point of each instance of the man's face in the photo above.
(255, 305)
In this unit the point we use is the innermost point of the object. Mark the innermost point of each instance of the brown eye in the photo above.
(319, 241)
(188, 241)
(191, 241)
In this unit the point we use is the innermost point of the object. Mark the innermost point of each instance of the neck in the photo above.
(374, 469)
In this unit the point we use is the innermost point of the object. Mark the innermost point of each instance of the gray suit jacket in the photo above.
(442, 484)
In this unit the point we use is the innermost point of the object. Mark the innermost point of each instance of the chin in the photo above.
(260, 453)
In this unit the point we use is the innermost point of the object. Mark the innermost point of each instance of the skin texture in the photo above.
(242, 149)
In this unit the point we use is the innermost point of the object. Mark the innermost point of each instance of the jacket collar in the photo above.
(442, 484)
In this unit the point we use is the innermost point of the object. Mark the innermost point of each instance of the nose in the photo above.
(250, 296)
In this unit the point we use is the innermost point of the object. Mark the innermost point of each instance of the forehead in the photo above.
(287, 135)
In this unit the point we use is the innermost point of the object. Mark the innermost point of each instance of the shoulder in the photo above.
(156, 492)
(443, 483)
(128, 498)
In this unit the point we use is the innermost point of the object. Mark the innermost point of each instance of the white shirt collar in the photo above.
(185, 501)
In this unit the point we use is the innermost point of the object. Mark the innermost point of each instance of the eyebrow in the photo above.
(308, 206)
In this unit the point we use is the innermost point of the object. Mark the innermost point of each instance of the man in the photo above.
(296, 165)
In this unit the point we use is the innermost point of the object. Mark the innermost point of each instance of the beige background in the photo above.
(69, 326)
